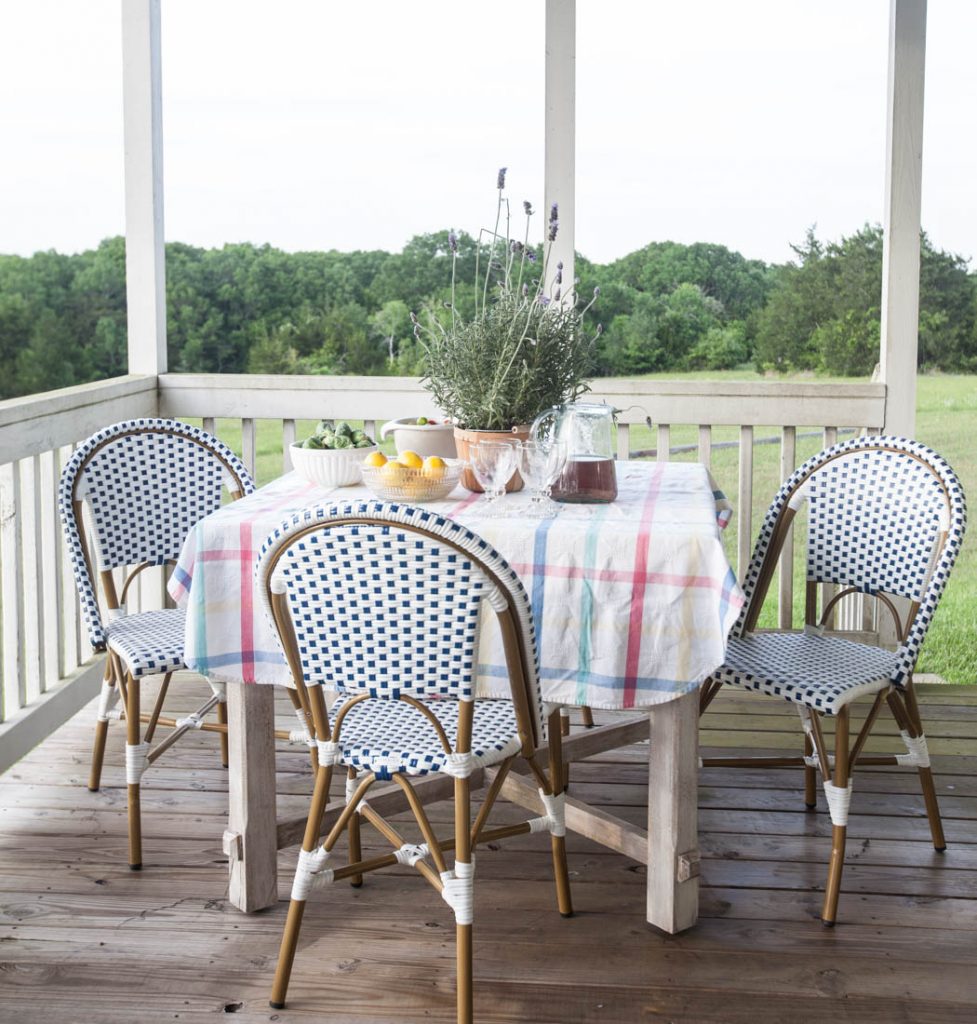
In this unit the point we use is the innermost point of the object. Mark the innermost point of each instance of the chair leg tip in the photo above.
(940, 849)
(93, 789)
(356, 885)
(826, 923)
(811, 807)
(568, 913)
(135, 867)
(276, 1006)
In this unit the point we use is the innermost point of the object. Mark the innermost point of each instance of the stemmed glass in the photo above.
(540, 463)
(493, 463)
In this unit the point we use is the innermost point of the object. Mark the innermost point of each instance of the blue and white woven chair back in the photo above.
(146, 482)
(385, 599)
(885, 515)
(874, 519)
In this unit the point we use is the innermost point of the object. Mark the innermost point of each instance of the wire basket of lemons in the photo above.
(408, 477)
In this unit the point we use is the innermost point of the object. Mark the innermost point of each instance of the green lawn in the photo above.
(946, 420)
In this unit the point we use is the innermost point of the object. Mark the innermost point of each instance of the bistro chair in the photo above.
(383, 605)
(145, 484)
(886, 517)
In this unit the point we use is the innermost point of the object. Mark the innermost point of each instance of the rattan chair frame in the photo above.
(467, 834)
(116, 678)
(899, 696)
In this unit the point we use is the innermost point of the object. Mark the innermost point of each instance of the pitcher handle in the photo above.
(541, 429)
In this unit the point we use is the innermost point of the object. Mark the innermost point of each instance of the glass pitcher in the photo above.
(585, 429)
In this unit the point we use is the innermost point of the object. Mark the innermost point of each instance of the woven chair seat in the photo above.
(390, 736)
(150, 642)
(821, 672)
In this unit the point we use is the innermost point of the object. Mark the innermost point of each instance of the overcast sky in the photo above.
(318, 125)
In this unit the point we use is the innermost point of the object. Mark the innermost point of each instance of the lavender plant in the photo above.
(525, 349)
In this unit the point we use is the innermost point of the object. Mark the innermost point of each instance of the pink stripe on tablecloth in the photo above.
(464, 503)
(247, 605)
(224, 555)
(637, 590)
(577, 572)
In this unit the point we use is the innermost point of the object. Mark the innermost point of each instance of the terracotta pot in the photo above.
(464, 438)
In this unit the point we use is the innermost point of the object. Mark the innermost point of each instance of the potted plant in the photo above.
(523, 350)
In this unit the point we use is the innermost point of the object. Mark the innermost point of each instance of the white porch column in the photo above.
(903, 180)
(560, 131)
(143, 117)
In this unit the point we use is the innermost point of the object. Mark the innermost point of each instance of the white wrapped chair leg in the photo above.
(219, 690)
(459, 891)
(303, 734)
(460, 766)
(330, 753)
(107, 701)
(410, 853)
(918, 755)
(839, 799)
(351, 787)
(555, 819)
(137, 761)
(311, 873)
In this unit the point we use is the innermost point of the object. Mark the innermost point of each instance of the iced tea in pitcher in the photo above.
(585, 429)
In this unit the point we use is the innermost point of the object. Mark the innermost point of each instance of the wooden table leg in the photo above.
(251, 839)
(673, 836)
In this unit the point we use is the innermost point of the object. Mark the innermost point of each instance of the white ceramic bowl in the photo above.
(330, 467)
(431, 439)
(413, 485)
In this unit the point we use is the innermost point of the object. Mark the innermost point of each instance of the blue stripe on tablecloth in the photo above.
(539, 576)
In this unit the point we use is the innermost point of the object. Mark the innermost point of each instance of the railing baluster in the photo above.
(30, 527)
(705, 446)
(248, 446)
(744, 510)
(828, 589)
(50, 548)
(13, 626)
(664, 443)
(370, 428)
(70, 609)
(288, 438)
(210, 425)
(623, 441)
(788, 460)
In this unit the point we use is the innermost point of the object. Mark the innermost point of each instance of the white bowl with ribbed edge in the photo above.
(330, 467)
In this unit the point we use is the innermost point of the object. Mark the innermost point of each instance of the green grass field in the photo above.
(946, 420)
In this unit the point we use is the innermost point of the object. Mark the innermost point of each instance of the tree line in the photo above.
(247, 308)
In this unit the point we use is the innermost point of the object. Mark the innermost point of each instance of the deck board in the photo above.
(84, 939)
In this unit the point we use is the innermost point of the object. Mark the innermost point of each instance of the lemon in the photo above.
(411, 460)
(375, 459)
(434, 467)
(392, 474)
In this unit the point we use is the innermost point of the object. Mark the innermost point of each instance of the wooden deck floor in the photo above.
(85, 941)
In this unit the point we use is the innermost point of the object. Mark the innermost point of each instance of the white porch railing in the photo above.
(47, 671)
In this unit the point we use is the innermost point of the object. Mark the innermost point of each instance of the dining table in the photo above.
(633, 601)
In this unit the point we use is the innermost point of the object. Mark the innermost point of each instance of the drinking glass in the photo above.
(493, 463)
(540, 464)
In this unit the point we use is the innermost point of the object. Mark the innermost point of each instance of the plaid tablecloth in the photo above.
(633, 600)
